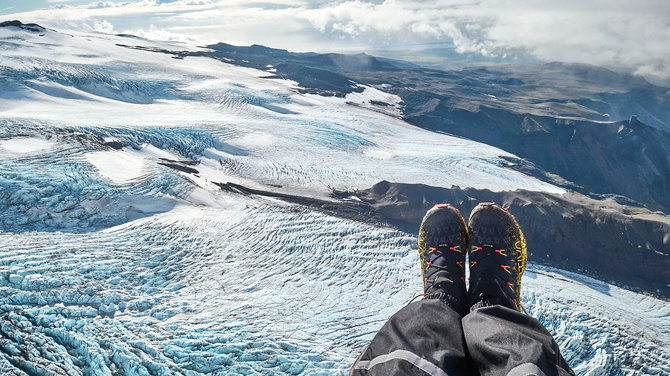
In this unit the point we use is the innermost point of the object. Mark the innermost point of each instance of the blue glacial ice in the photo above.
(260, 287)
(113, 262)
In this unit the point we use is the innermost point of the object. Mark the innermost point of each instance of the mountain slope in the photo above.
(602, 131)
(124, 254)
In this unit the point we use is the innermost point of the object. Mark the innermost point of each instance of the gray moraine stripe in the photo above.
(405, 355)
(526, 369)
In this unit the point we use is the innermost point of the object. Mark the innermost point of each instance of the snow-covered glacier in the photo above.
(121, 254)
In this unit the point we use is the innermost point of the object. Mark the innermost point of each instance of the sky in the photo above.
(629, 36)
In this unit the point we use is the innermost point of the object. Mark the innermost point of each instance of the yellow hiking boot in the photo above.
(497, 258)
(443, 243)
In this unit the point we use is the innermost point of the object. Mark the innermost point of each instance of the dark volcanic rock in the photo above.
(629, 245)
(322, 74)
(260, 56)
(180, 165)
(317, 81)
(29, 27)
(354, 210)
(116, 145)
(625, 157)
(558, 116)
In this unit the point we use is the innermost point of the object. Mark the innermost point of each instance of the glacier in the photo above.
(121, 254)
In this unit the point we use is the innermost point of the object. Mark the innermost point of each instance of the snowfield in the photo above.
(121, 255)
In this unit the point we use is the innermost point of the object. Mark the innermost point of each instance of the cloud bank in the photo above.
(619, 34)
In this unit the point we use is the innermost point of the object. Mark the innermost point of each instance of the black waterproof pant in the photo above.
(429, 338)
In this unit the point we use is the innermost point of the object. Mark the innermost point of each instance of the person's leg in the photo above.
(503, 341)
(425, 337)
(500, 339)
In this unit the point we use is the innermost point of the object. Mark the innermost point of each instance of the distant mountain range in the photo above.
(582, 127)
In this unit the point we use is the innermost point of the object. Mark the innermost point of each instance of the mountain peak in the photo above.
(30, 27)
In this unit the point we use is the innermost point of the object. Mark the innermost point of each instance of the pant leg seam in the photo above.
(405, 355)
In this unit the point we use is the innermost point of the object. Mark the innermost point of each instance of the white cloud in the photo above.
(103, 26)
(155, 33)
(618, 34)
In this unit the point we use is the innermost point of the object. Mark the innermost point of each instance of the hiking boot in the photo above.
(497, 258)
(443, 242)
